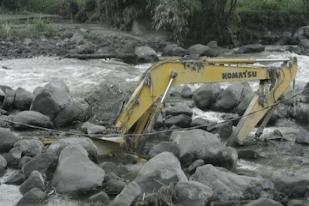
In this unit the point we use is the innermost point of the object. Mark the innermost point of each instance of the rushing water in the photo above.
(82, 76)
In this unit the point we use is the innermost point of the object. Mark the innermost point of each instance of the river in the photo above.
(83, 76)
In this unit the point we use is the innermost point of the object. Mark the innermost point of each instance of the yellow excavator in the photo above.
(138, 115)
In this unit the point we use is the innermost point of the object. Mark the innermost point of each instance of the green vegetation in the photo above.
(33, 28)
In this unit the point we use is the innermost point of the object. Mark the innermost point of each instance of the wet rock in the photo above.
(181, 120)
(286, 38)
(54, 101)
(174, 50)
(251, 48)
(93, 129)
(298, 203)
(76, 173)
(77, 38)
(16, 178)
(292, 186)
(7, 97)
(248, 154)
(56, 147)
(12, 158)
(302, 114)
(203, 124)
(26, 119)
(113, 184)
(3, 164)
(178, 109)
(229, 98)
(35, 180)
(33, 197)
(85, 48)
(100, 198)
(199, 144)
(29, 147)
(186, 92)
(44, 163)
(164, 147)
(197, 163)
(206, 95)
(105, 104)
(192, 193)
(198, 49)
(146, 54)
(228, 186)
(163, 169)
(246, 97)
(22, 99)
(7, 140)
(212, 44)
(263, 202)
(302, 137)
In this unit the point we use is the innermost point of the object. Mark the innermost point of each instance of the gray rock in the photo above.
(199, 144)
(76, 173)
(22, 120)
(174, 50)
(192, 193)
(181, 120)
(44, 163)
(251, 48)
(302, 114)
(113, 184)
(164, 147)
(56, 147)
(186, 92)
(54, 101)
(24, 160)
(78, 38)
(229, 98)
(228, 186)
(298, 203)
(292, 186)
(16, 178)
(12, 158)
(3, 165)
(178, 109)
(100, 198)
(163, 169)
(197, 163)
(93, 129)
(84, 48)
(7, 140)
(263, 202)
(22, 99)
(29, 147)
(198, 49)
(35, 180)
(212, 44)
(7, 96)
(105, 104)
(302, 137)
(206, 95)
(203, 124)
(34, 197)
(146, 54)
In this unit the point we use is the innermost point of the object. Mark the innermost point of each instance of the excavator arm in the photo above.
(138, 114)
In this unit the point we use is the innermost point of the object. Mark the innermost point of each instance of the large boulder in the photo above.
(263, 202)
(198, 49)
(93, 129)
(29, 147)
(164, 147)
(76, 173)
(22, 99)
(35, 180)
(292, 186)
(163, 169)
(113, 184)
(229, 187)
(56, 147)
(7, 140)
(302, 114)
(199, 144)
(229, 98)
(206, 95)
(178, 109)
(180, 120)
(246, 96)
(100, 198)
(27, 119)
(105, 104)
(44, 163)
(251, 48)
(54, 101)
(174, 50)
(33, 197)
(146, 54)
(192, 193)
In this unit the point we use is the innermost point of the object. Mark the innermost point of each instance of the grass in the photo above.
(32, 29)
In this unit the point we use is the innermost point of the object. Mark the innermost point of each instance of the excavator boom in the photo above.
(137, 115)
